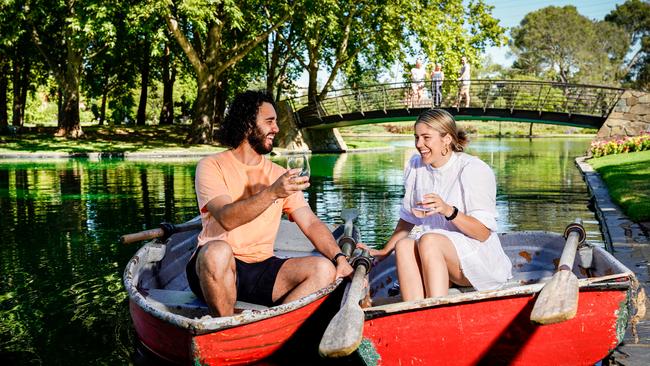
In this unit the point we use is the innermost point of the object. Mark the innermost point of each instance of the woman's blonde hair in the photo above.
(443, 122)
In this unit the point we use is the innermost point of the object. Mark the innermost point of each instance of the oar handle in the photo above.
(347, 242)
(575, 235)
(165, 230)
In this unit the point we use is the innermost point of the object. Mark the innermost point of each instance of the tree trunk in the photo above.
(24, 80)
(145, 68)
(312, 87)
(59, 104)
(530, 130)
(272, 64)
(17, 109)
(204, 110)
(4, 83)
(69, 124)
(169, 77)
(102, 112)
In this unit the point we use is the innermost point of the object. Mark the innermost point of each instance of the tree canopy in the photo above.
(634, 17)
(559, 43)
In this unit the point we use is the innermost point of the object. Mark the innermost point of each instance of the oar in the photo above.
(164, 230)
(345, 331)
(558, 300)
(347, 242)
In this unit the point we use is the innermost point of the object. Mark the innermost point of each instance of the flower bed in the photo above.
(620, 145)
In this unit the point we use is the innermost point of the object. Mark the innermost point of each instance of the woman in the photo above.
(437, 77)
(452, 195)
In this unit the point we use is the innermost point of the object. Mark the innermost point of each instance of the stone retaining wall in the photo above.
(316, 140)
(630, 116)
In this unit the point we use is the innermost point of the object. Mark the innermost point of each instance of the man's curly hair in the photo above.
(242, 117)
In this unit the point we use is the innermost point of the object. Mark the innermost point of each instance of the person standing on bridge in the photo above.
(464, 81)
(418, 74)
(241, 197)
(451, 195)
(437, 77)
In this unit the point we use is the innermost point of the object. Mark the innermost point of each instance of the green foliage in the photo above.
(627, 177)
(559, 43)
(620, 145)
(634, 17)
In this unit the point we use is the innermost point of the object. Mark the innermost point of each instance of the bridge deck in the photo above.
(529, 101)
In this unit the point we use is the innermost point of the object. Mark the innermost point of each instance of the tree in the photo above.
(168, 73)
(215, 36)
(634, 17)
(113, 70)
(559, 43)
(63, 32)
(356, 36)
(4, 82)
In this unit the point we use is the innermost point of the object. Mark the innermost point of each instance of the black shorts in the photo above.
(254, 281)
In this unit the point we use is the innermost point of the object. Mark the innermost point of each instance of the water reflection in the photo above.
(61, 298)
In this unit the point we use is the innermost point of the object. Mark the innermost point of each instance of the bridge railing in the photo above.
(580, 99)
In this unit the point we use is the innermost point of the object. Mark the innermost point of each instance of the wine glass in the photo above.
(299, 161)
(417, 196)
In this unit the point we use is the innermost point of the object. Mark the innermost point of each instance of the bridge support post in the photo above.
(293, 138)
(630, 116)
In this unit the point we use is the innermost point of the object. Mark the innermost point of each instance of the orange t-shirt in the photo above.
(222, 174)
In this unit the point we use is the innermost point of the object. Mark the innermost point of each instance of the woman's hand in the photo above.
(437, 205)
(378, 254)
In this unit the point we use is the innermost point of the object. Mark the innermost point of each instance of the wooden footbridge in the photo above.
(494, 100)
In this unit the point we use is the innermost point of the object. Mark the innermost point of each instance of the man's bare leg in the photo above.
(299, 277)
(216, 268)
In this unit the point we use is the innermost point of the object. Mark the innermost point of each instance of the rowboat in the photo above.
(469, 327)
(175, 326)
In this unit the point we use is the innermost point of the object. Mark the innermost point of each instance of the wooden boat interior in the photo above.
(534, 256)
(162, 281)
(160, 276)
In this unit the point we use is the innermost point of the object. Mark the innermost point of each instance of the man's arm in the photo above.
(321, 237)
(231, 215)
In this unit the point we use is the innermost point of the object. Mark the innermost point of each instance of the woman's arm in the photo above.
(402, 230)
(468, 225)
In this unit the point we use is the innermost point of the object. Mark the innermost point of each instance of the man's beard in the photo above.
(256, 139)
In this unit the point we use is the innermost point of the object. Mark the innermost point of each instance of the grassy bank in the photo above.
(160, 139)
(480, 128)
(105, 139)
(628, 179)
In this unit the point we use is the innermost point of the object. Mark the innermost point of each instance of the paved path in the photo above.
(627, 242)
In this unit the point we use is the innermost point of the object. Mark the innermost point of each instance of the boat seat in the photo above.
(187, 304)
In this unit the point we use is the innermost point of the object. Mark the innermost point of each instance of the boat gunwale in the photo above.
(206, 324)
(614, 281)
(586, 284)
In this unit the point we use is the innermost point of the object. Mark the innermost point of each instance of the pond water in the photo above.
(61, 295)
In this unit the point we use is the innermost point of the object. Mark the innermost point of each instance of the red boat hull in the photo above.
(239, 345)
(496, 332)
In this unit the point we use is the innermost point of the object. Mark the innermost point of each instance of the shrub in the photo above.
(620, 145)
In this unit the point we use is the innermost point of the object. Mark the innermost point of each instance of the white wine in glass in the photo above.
(299, 162)
(417, 196)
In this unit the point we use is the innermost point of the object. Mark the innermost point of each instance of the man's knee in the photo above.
(215, 255)
(324, 270)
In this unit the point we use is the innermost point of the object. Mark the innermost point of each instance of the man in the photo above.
(417, 82)
(241, 197)
(464, 82)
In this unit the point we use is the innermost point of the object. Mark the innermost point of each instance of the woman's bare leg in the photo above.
(440, 264)
(408, 270)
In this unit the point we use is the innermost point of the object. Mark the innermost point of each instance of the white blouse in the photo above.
(469, 184)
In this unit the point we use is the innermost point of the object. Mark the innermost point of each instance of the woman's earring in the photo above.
(445, 151)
